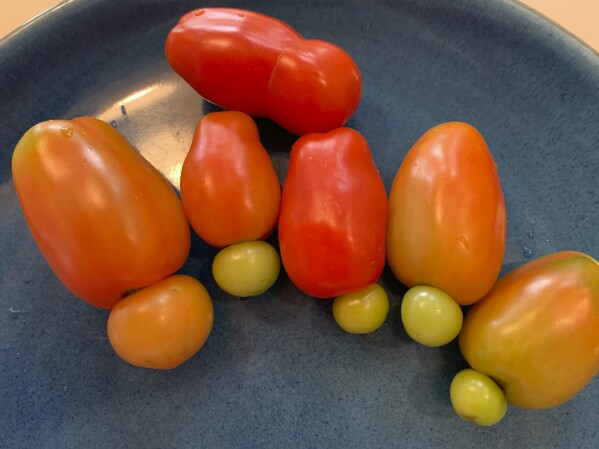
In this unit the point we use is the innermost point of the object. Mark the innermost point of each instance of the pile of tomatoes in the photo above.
(531, 337)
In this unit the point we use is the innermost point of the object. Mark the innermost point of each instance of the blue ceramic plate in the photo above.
(277, 371)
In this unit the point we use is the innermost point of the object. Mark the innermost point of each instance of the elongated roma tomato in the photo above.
(229, 187)
(333, 215)
(163, 325)
(447, 215)
(537, 331)
(106, 221)
(246, 61)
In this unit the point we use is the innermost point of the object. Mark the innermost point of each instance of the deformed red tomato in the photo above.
(447, 216)
(537, 331)
(104, 218)
(229, 187)
(333, 215)
(246, 61)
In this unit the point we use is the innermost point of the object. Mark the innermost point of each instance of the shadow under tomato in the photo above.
(429, 388)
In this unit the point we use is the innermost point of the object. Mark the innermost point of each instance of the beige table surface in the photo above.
(581, 17)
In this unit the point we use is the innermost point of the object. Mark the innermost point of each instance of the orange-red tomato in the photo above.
(250, 62)
(537, 331)
(447, 219)
(229, 187)
(106, 221)
(163, 325)
(333, 215)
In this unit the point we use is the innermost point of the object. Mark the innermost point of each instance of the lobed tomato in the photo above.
(333, 215)
(163, 325)
(447, 215)
(537, 331)
(247, 61)
(229, 187)
(106, 221)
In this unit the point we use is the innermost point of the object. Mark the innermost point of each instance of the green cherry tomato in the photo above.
(363, 311)
(477, 398)
(247, 268)
(430, 316)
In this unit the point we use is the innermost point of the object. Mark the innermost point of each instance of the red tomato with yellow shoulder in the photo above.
(247, 61)
(537, 331)
(106, 221)
(333, 215)
(163, 325)
(447, 218)
(229, 187)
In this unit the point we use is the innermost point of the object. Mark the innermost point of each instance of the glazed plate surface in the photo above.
(277, 371)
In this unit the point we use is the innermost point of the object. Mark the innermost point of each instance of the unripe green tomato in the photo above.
(363, 311)
(477, 398)
(247, 268)
(430, 316)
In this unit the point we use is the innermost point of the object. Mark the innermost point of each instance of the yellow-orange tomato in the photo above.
(104, 218)
(163, 325)
(229, 187)
(446, 224)
(537, 331)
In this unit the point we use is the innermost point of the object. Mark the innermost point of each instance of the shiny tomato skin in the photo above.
(333, 215)
(162, 325)
(104, 218)
(247, 61)
(229, 187)
(447, 218)
(537, 331)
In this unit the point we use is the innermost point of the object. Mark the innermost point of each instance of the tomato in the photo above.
(229, 187)
(447, 219)
(163, 325)
(476, 398)
(537, 331)
(247, 268)
(246, 61)
(363, 311)
(430, 316)
(333, 215)
(106, 221)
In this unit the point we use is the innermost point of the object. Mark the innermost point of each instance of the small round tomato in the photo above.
(247, 268)
(477, 398)
(363, 311)
(447, 218)
(430, 316)
(163, 325)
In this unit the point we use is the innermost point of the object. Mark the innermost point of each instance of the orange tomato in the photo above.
(163, 325)
(537, 331)
(229, 187)
(106, 221)
(447, 217)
